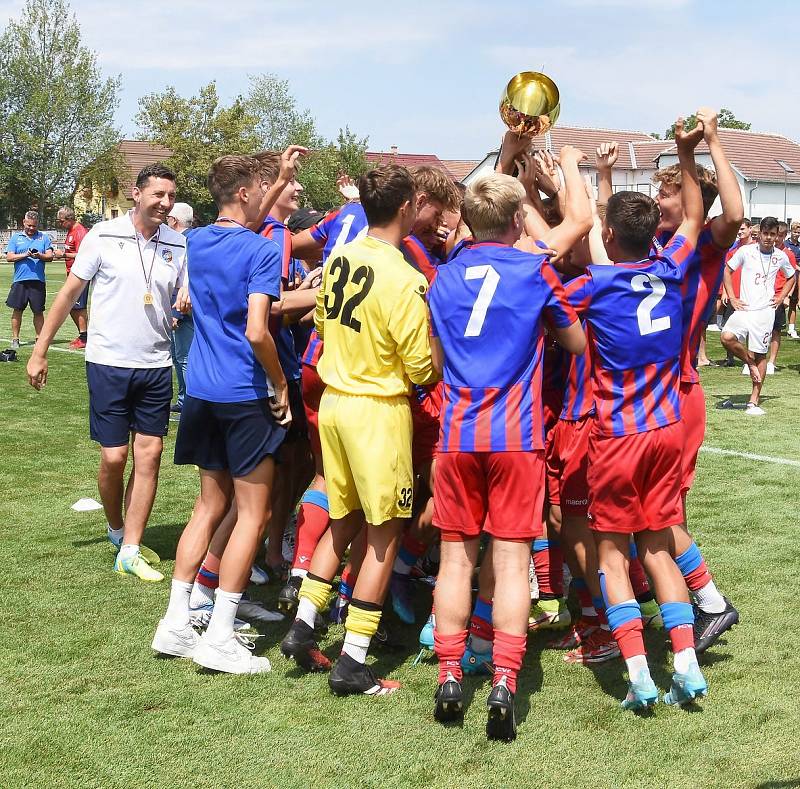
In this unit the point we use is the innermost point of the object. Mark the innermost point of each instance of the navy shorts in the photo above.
(28, 292)
(233, 437)
(123, 399)
(83, 300)
(298, 430)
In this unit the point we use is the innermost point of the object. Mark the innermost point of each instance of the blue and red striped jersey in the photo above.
(338, 227)
(701, 285)
(635, 316)
(578, 391)
(417, 255)
(487, 308)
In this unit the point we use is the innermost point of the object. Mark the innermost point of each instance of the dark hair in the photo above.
(783, 227)
(228, 174)
(768, 223)
(156, 170)
(634, 217)
(383, 190)
(747, 222)
(269, 165)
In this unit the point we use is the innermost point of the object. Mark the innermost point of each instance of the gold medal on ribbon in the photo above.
(148, 298)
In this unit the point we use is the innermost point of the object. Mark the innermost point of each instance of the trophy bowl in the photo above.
(530, 103)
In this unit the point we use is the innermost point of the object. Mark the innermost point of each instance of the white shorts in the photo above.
(754, 326)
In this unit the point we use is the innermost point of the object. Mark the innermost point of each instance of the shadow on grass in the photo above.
(789, 783)
(163, 538)
(739, 401)
(87, 543)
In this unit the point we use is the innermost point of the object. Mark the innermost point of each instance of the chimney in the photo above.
(393, 149)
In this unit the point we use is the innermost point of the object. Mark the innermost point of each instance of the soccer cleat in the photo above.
(200, 616)
(149, 554)
(754, 410)
(232, 656)
(793, 334)
(258, 576)
(642, 693)
(349, 676)
(599, 647)
(253, 610)
(402, 602)
(77, 344)
(687, 687)
(709, 627)
(139, 566)
(449, 700)
(180, 642)
(426, 634)
(578, 633)
(300, 645)
(651, 615)
(473, 662)
(502, 722)
(549, 615)
(288, 596)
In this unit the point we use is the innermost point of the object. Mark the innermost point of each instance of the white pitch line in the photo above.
(51, 348)
(750, 456)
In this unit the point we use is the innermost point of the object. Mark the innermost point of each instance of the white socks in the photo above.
(306, 611)
(177, 615)
(297, 573)
(709, 599)
(128, 552)
(683, 660)
(636, 665)
(116, 534)
(220, 628)
(356, 646)
(201, 595)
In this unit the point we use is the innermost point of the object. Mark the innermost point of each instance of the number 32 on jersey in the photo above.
(336, 308)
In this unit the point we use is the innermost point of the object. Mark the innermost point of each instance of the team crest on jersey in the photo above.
(121, 243)
(167, 255)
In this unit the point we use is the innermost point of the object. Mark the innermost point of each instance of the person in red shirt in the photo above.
(780, 312)
(75, 234)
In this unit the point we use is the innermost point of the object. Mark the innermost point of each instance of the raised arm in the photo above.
(691, 196)
(286, 174)
(606, 157)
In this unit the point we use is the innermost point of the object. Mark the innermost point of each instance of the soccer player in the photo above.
(755, 307)
(372, 318)
(488, 305)
(634, 312)
(780, 310)
(714, 613)
(75, 234)
(793, 243)
(234, 415)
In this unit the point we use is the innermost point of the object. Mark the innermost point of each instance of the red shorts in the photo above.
(313, 387)
(508, 487)
(693, 419)
(567, 466)
(635, 481)
(426, 434)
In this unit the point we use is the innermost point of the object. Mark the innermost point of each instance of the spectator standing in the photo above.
(180, 219)
(75, 234)
(28, 250)
(792, 243)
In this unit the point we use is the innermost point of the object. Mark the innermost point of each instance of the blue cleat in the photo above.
(426, 634)
(402, 603)
(687, 687)
(642, 693)
(473, 662)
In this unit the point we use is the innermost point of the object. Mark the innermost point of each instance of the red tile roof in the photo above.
(459, 168)
(588, 141)
(755, 154)
(138, 154)
(405, 159)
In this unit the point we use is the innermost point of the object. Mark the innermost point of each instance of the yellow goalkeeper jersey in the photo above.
(372, 316)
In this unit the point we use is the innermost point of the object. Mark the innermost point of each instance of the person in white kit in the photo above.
(754, 309)
(135, 263)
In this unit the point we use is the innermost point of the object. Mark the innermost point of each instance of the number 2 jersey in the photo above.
(487, 308)
(371, 315)
(635, 317)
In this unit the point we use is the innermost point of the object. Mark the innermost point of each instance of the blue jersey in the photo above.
(487, 308)
(340, 227)
(635, 316)
(27, 269)
(226, 266)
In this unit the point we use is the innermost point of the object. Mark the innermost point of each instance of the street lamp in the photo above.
(786, 170)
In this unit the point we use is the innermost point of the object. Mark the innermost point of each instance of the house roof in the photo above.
(405, 159)
(588, 140)
(755, 154)
(138, 154)
(459, 168)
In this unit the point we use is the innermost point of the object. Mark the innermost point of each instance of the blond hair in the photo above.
(492, 200)
(437, 186)
(671, 176)
(795, 225)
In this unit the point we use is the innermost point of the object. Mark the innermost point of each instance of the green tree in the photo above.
(57, 109)
(725, 120)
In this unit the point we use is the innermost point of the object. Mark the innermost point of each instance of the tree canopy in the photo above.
(725, 120)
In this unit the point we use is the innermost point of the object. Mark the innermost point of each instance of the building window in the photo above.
(645, 189)
(114, 213)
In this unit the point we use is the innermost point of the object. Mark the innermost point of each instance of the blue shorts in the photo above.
(124, 400)
(27, 292)
(83, 299)
(233, 437)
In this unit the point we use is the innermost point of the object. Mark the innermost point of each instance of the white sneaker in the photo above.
(250, 609)
(713, 327)
(754, 410)
(746, 370)
(793, 334)
(179, 642)
(231, 656)
(258, 576)
(770, 368)
(200, 616)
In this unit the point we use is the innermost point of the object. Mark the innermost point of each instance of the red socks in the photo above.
(507, 652)
(629, 638)
(638, 577)
(312, 520)
(682, 637)
(549, 565)
(208, 574)
(698, 578)
(449, 650)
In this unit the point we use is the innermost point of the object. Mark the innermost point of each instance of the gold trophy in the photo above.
(530, 104)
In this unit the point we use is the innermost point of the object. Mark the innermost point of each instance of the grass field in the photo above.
(84, 703)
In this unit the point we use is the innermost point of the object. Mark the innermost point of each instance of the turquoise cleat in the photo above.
(473, 662)
(426, 634)
(687, 687)
(642, 693)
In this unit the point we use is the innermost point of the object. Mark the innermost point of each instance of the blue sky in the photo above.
(427, 76)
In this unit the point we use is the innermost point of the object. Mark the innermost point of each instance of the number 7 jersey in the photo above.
(487, 308)
(635, 317)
